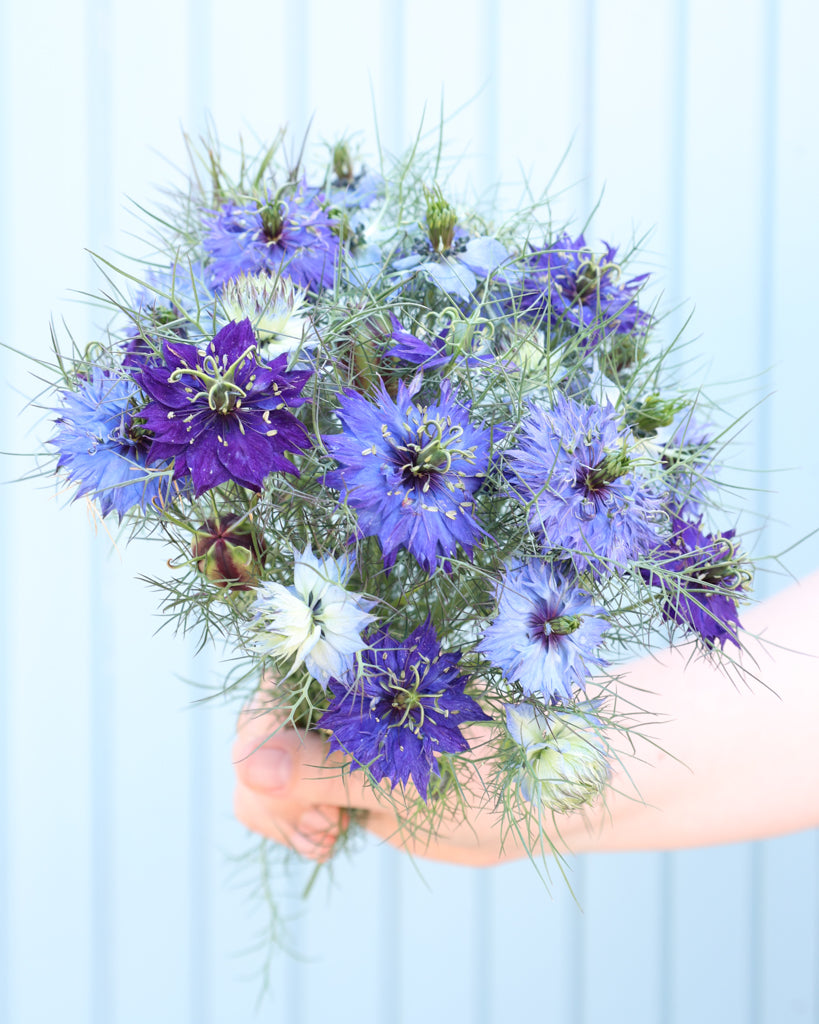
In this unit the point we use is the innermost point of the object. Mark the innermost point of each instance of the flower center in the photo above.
(218, 383)
(612, 466)
(589, 277)
(563, 625)
(433, 451)
(272, 220)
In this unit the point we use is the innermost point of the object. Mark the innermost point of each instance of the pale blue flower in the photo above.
(546, 631)
(457, 271)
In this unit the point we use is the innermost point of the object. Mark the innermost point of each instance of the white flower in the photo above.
(315, 622)
(565, 756)
(276, 309)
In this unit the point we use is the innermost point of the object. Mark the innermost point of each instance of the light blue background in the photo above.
(119, 902)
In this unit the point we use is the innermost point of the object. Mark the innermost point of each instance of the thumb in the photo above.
(284, 763)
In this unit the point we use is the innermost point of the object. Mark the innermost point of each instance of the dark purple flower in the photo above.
(567, 283)
(411, 472)
(573, 469)
(103, 449)
(410, 349)
(290, 235)
(701, 576)
(220, 414)
(405, 706)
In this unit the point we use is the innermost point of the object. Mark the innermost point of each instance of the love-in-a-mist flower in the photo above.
(220, 414)
(103, 447)
(546, 633)
(573, 468)
(564, 756)
(316, 621)
(289, 233)
(276, 309)
(702, 576)
(567, 283)
(411, 472)
(405, 706)
(448, 257)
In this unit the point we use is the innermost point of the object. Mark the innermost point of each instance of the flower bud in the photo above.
(343, 163)
(655, 412)
(229, 551)
(441, 220)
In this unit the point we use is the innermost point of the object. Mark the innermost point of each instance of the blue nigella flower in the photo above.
(572, 468)
(316, 621)
(546, 631)
(103, 449)
(220, 415)
(403, 709)
(290, 235)
(567, 283)
(701, 576)
(447, 257)
(410, 472)
(456, 270)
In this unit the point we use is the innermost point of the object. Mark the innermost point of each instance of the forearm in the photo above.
(727, 757)
(719, 758)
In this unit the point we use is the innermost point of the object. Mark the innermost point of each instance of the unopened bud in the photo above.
(441, 221)
(565, 757)
(229, 551)
(343, 163)
(655, 412)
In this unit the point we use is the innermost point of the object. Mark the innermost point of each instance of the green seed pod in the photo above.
(229, 551)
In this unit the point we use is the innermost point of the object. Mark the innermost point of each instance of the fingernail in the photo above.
(269, 769)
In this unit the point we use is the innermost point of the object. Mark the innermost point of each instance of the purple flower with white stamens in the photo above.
(220, 414)
(289, 235)
(701, 576)
(403, 708)
(567, 283)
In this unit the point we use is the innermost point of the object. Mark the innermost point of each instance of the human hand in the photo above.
(290, 790)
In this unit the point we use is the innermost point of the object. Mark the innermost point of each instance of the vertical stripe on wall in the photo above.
(765, 461)
(391, 101)
(198, 720)
(99, 43)
(7, 472)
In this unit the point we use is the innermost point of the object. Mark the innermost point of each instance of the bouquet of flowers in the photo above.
(421, 472)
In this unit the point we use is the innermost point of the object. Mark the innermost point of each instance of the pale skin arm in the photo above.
(745, 761)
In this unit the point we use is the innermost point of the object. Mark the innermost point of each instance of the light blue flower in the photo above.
(315, 622)
(102, 447)
(573, 469)
(545, 633)
(457, 271)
